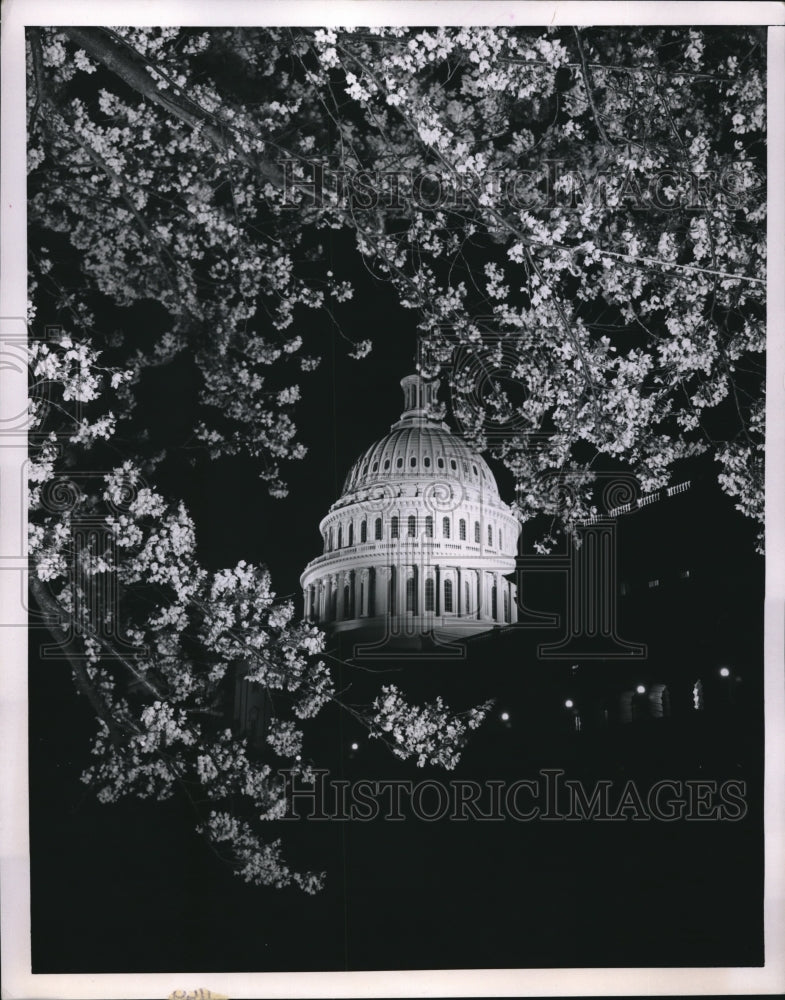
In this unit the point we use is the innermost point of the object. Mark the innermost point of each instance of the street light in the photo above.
(724, 672)
(505, 716)
(569, 703)
(640, 689)
(355, 746)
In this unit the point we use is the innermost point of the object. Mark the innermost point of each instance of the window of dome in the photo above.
(462, 530)
(394, 527)
(500, 537)
(374, 467)
(440, 462)
(399, 463)
(448, 595)
(386, 464)
(365, 469)
(363, 531)
(377, 529)
(429, 526)
(474, 470)
(426, 462)
(477, 532)
(351, 535)
(429, 594)
(446, 527)
(490, 535)
(411, 526)
(453, 464)
(413, 461)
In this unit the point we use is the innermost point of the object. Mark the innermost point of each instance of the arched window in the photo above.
(386, 464)
(477, 532)
(474, 469)
(490, 535)
(363, 531)
(440, 462)
(500, 538)
(411, 526)
(377, 529)
(351, 535)
(453, 464)
(410, 594)
(448, 595)
(371, 591)
(426, 462)
(429, 594)
(446, 527)
(466, 608)
(399, 463)
(494, 603)
(333, 603)
(462, 530)
(394, 526)
(413, 461)
(506, 605)
(374, 467)
(429, 526)
(391, 598)
(362, 598)
(330, 540)
(347, 602)
(340, 536)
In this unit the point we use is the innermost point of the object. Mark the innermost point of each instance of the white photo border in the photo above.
(18, 980)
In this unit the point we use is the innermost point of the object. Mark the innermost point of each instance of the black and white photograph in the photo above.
(392, 504)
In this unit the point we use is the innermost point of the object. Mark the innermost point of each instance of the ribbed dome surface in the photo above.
(421, 449)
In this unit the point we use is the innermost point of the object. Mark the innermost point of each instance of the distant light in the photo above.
(724, 672)
(569, 703)
(298, 757)
(640, 689)
(505, 716)
(355, 746)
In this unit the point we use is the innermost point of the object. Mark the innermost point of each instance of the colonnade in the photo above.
(404, 589)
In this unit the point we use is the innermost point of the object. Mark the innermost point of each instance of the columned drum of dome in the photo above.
(419, 544)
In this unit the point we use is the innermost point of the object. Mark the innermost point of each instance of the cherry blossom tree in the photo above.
(576, 219)
(580, 212)
(155, 641)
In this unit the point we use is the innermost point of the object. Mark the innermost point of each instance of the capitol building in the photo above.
(419, 547)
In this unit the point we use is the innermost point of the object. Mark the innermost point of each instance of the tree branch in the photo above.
(96, 44)
(58, 628)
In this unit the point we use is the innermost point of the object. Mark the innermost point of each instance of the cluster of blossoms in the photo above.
(640, 250)
(157, 642)
(430, 734)
(626, 321)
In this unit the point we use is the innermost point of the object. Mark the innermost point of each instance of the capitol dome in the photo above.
(419, 543)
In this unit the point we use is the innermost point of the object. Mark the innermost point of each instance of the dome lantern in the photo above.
(419, 399)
